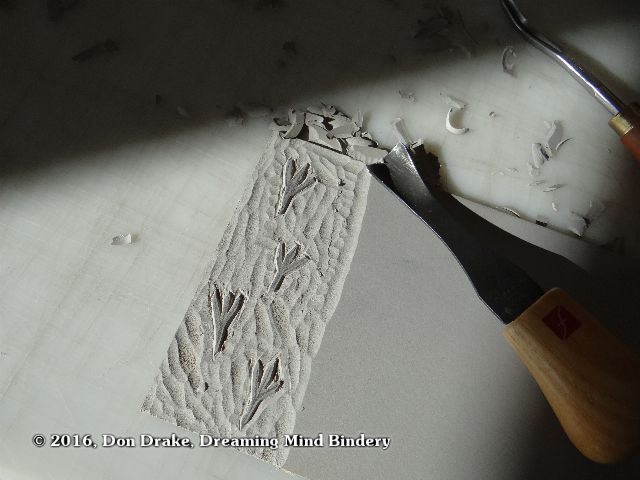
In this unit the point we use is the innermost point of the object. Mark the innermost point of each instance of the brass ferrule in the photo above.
(628, 118)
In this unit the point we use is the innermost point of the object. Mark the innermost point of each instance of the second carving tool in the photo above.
(626, 117)
(590, 379)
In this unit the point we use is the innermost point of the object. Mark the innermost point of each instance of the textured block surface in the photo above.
(240, 361)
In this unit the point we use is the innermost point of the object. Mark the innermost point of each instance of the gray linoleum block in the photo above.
(240, 361)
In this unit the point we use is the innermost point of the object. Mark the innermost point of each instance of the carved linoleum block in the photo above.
(240, 361)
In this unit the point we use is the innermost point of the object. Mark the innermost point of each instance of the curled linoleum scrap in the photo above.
(313, 119)
(340, 120)
(511, 211)
(365, 154)
(279, 125)
(450, 127)
(342, 127)
(234, 117)
(537, 183)
(452, 102)
(319, 135)
(316, 110)
(407, 95)
(502, 172)
(462, 48)
(577, 224)
(122, 239)
(358, 119)
(329, 110)
(553, 138)
(399, 130)
(596, 208)
(324, 109)
(538, 157)
(342, 131)
(362, 141)
(183, 112)
(420, 143)
(542, 152)
(562, 143)
(542, 221)
(365, 134)
(508, 60)
(297, 122)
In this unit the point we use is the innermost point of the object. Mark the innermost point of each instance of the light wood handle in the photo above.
(631, 140)
(627, 126)
(590, 379)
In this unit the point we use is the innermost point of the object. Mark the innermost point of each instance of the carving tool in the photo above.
(626, 118)
(590, 379)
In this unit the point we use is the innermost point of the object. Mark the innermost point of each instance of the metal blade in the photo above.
(413, 176)
(594, 86)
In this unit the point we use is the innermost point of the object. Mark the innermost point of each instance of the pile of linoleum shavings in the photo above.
(328, 127)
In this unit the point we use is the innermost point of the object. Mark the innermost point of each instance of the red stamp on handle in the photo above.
(561, 322)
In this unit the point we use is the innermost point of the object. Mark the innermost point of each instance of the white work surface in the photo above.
(86, 154)
(413, 354)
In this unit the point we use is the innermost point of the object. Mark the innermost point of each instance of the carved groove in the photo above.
(225, 307)
(265, 381)
(286, 262)
(294, 181)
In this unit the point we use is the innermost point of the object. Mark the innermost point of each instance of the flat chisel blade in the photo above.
(412, 175)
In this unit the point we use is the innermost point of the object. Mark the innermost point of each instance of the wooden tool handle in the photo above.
(627, 125)
(591, 380)
(631, 140)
